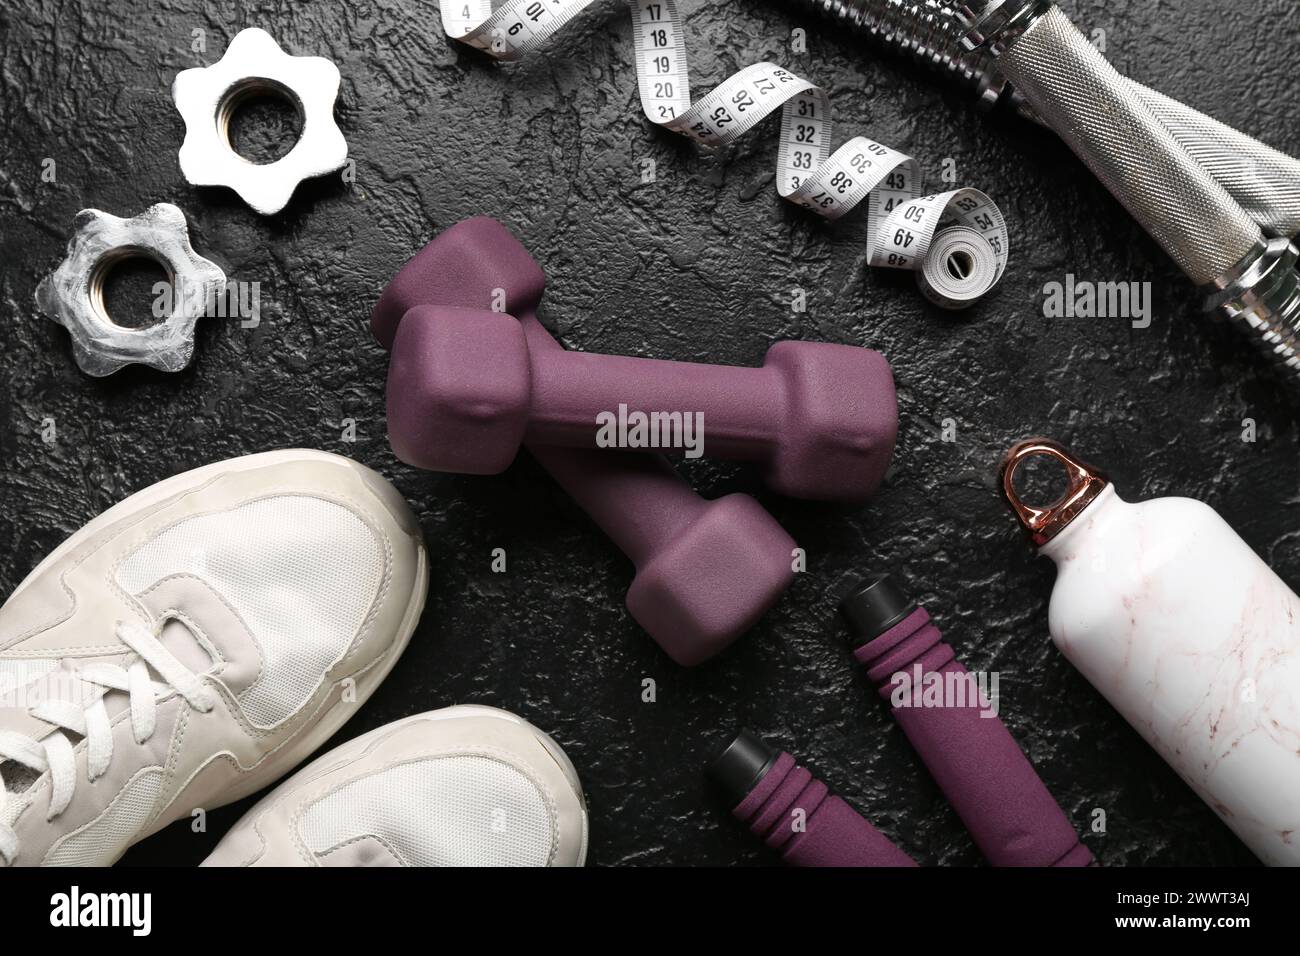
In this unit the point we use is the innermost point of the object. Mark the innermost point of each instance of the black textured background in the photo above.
(700, 266)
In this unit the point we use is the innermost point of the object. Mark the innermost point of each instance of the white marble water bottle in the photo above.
(1188, 633)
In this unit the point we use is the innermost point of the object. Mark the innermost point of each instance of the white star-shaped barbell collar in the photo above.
(207, 96)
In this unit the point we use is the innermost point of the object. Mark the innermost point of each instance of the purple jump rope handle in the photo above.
(796, 815)
(974, 760)
(706, 570)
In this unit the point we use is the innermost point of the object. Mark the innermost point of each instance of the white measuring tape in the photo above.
(955, 241)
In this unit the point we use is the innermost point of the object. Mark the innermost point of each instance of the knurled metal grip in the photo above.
(1263, 180)
(1083, 98)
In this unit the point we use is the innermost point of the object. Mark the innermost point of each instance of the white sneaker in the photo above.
(463, 786)
(194, 643)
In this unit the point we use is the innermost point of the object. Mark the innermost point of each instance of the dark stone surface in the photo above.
(699, 265)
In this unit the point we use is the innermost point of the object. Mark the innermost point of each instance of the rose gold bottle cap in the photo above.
(1043, 524)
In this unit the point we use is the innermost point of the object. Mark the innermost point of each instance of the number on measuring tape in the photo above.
(956, 242)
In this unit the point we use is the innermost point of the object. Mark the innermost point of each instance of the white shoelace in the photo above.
(55, 752)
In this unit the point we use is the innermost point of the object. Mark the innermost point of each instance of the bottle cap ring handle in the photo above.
(1045, 523)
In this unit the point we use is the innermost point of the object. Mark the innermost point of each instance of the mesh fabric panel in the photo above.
(457, 810)
(302, 572)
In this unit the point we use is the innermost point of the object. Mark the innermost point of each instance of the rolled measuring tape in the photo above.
(956, 242)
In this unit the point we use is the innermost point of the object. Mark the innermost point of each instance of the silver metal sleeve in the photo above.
(1263, 295)
(922, 30)
(1086, 101)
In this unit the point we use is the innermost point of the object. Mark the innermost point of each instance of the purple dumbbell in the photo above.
(794, 813)
(969, 752)
(706, 570)
(821, 417)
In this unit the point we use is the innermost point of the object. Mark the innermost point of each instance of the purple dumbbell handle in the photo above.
(664, 507)
(602, 484)
(651, 513)
(743, 408)
(973, 758)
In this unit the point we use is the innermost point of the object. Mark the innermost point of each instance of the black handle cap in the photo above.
(740, 766)
(874, 606)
